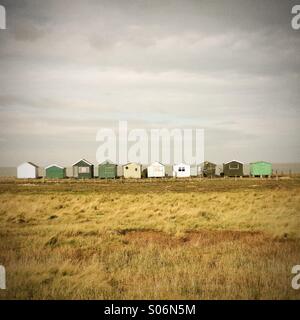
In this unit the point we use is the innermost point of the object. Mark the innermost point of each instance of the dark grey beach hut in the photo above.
(233, 168)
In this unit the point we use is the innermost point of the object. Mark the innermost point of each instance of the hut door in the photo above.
(75, 172)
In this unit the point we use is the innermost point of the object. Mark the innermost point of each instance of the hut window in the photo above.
(126, 168)
(135, 169)
(233, 166)
(181, 169)
(83, 169)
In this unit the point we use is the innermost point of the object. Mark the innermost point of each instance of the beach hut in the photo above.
(168, 170)
(107, 170)
(132, 171)
(260, 169)
(208, 169)
(233, 168)
(83, 169)
(194, 170)
(27, 170)
(55, 171)
(156, 170)
(181, 170)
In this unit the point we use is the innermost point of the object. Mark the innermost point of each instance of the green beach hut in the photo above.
(260, 169)
(107, 170)
(55, 172)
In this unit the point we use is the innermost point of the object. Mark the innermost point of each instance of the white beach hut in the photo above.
(156, 170)
(27, 170)
(181, 170)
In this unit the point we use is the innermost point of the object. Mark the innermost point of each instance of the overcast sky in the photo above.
(69, 68)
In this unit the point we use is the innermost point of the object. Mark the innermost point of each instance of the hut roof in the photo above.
(106, 162)
(260, 162)
(31, 163)
(156, 163)
(131, 163)
(181, 165)
(234, 161)
(87, 162)
(208, 162)
(54, 165)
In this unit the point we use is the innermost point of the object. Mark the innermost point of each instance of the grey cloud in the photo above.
(27, 31)
(70, 67)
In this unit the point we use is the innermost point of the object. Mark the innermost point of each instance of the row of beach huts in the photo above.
(84, 169)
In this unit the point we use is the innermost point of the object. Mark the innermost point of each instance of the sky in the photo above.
(69, 68)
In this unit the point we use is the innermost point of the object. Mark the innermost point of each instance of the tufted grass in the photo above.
(174, 240)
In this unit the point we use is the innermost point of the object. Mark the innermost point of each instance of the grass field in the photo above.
(154, 239)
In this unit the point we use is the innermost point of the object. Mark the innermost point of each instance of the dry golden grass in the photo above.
(171, 240)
